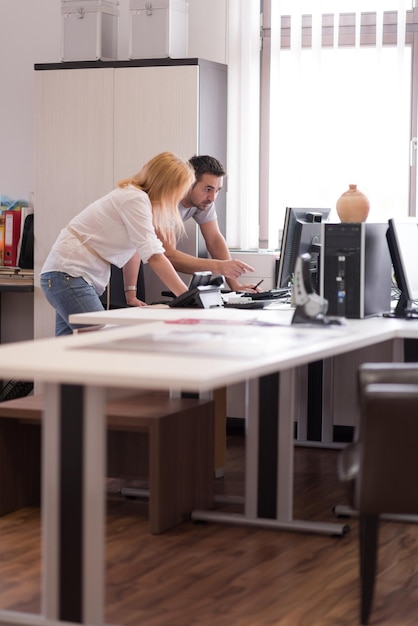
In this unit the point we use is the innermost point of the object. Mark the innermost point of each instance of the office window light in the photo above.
(287, 7)
(340, 107)
(337, 119)
(338, 97)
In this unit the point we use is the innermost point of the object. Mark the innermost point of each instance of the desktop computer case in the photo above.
(355, 269)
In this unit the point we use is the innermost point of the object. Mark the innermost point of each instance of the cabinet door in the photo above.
(73, 158)
(156, 109)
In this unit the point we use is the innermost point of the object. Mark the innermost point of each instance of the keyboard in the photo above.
(271, 294)
(247, 304)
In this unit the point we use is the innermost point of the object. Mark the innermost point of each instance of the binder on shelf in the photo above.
(25, 246)
(1, 238)
(12, 221)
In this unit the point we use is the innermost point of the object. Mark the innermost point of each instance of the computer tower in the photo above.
(355, 269)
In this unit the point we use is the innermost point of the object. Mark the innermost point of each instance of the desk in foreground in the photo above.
(210, 355)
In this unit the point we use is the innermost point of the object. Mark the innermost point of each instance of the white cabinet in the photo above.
(73, 158)
(96, 123)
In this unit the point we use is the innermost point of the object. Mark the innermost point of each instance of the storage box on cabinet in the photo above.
(89, 30)
(158, 29)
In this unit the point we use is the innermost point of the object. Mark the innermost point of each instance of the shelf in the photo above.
(15, 279)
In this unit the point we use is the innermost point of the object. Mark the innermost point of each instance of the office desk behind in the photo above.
(326, 398)
(137, 315)
(13, 281)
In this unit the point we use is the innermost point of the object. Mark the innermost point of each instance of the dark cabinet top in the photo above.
(75, 65)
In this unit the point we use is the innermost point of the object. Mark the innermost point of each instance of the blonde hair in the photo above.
(166, 179)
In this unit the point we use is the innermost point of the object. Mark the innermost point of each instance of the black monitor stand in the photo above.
(405, 308)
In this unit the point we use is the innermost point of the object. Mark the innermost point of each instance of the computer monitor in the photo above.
(402, 238)
(301, 234)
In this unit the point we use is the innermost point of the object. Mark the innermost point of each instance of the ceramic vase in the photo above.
(353, 205)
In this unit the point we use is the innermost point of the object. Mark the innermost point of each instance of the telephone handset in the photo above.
(200, 279)
(310, 307)
(201, 297)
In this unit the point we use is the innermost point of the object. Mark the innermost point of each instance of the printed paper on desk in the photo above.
(198, 341)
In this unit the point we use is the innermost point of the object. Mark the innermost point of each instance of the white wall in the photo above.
(30, 32)
(208, 29)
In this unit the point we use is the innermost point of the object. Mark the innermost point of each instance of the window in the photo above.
(337, 89)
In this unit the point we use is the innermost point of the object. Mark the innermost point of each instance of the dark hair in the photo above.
(206, 165)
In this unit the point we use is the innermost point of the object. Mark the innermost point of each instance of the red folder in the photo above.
(12, 221)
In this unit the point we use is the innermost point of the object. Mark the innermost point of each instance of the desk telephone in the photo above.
(204, 292)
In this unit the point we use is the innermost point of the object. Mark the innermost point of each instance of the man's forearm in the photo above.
(189, 264)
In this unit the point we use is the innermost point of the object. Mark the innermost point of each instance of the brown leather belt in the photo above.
(96, 254)
(86, 245)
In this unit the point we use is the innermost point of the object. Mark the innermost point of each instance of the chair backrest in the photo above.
(404, 373)
(117, 293)
(387, 480)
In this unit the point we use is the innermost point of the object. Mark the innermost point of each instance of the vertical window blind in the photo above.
(335, 108)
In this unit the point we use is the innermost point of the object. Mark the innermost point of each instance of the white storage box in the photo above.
(158, 29)
(89, 30)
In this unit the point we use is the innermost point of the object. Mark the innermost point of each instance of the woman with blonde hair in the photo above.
(119, 229)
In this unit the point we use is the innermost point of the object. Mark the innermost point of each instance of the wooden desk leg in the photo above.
(219, 397)
(181, 466)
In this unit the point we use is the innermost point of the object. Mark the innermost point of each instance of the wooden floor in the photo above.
(212, 574)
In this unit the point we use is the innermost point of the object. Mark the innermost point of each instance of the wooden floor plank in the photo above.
(211, 574)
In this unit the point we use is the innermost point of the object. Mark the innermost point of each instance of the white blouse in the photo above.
(115, 227)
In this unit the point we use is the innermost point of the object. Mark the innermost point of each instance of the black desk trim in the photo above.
(71, 504)
(268, 445)
(161, 62)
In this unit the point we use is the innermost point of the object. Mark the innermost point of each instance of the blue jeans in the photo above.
(67, 295)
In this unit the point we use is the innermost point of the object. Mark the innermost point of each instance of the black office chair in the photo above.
(117, 295)
(380, 468)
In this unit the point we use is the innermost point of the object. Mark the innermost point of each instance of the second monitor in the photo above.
(402, 238)
(301, 235)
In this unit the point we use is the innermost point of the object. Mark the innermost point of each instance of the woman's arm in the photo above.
(166, 272)
(130, 273)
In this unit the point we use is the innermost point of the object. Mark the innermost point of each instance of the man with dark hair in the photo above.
(207, 165)
(199, 204)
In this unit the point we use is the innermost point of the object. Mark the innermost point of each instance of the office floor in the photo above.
(207, 574)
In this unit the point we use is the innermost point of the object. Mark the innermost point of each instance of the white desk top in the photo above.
(222, 353)
(137, 315)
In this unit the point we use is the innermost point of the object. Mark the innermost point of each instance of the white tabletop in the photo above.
(138, 315)
(211, 353)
